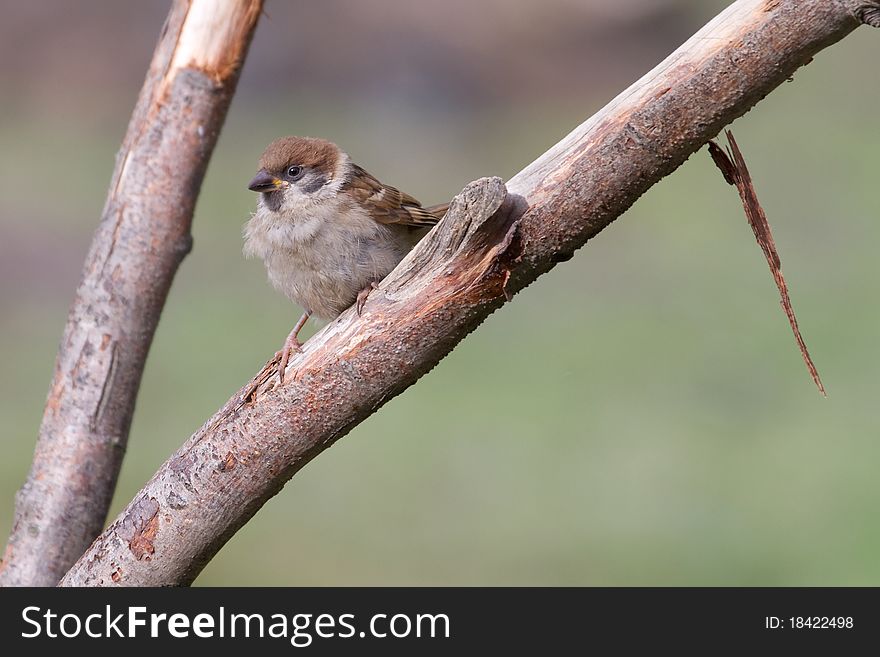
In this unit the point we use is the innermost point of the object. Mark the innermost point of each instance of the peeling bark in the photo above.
(733, 167)
(143, 236)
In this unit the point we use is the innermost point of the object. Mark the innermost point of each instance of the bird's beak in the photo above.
(265, 182)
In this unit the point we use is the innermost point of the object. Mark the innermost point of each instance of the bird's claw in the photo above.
(291, 345)
(363, 295)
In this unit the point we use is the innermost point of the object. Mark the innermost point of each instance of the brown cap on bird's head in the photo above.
(301, 151)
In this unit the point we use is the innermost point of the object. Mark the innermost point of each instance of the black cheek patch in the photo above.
(272, 200)
(313, 185)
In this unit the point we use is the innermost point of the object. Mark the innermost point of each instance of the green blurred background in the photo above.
(639, 416)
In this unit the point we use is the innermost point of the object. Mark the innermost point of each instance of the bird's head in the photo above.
(294, 170)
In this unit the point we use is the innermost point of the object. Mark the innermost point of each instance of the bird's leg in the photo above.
(291, 344)
(363, 294)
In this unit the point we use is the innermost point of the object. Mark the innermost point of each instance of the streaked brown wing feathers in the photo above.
(388, 205)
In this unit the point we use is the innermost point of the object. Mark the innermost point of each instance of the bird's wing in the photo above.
(388, 205)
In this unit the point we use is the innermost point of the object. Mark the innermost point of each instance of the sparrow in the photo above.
(327, 230)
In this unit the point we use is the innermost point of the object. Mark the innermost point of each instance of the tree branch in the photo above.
(143, 236)
(483, 251)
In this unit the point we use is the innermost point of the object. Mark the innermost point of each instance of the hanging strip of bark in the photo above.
(733, 168)
(143, 236)
(466, 268)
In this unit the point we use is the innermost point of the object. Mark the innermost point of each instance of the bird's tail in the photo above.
(437, 210)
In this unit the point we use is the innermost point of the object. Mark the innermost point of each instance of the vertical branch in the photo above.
(143, 236)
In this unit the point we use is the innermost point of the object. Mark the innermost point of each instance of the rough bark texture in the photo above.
(466, 269)
(143, 236)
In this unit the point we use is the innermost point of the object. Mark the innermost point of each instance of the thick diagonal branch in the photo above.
(143, 236)
(466, 269)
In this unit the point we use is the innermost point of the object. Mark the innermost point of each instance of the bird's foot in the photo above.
(291, 346)
(363, 295)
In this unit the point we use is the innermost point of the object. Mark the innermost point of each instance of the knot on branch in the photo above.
(478, 228)
(139, 527)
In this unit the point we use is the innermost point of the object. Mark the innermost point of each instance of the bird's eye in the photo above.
(294, 172)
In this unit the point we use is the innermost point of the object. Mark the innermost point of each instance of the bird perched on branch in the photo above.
(327, 230)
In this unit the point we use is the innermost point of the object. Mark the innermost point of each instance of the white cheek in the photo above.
(293, 194)
(296, 202)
